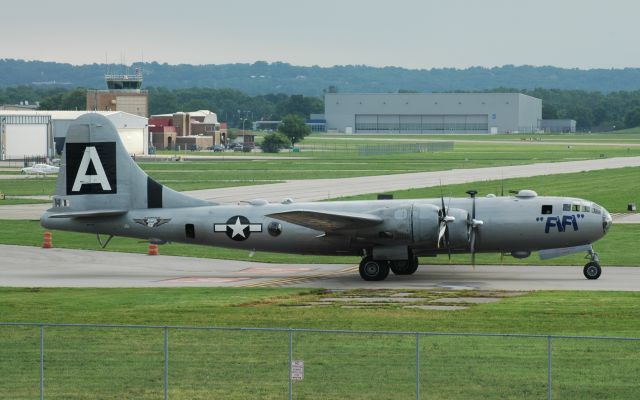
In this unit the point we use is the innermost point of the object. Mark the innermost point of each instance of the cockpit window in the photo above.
(596, 210)
(566, 207)
(547, 209)
(575, 207)
(586, 208)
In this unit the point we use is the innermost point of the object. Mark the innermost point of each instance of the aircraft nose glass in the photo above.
(606, 220)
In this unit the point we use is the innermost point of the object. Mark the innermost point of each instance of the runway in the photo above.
(83, 268)
(322, 189)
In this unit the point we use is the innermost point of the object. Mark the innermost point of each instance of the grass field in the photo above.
(113, 363)
(10, 201)
(623, 136)
(324, 159)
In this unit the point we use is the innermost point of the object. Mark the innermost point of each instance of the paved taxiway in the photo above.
(35, 267)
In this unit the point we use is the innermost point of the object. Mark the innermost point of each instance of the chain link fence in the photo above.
(79, 361)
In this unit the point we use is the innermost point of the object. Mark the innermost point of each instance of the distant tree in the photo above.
(582, 115)
(273, 142)
(294, 127)
(300, 105)
(632, 118)
(549, 111)
(75, 99)
(162, 101)
(330, 89)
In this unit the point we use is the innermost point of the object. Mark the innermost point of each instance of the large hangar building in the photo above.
(36, 133)
(432, 113)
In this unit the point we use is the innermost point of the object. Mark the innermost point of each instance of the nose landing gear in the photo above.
(592, 269)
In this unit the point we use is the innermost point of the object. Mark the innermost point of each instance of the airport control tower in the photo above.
(123, 94)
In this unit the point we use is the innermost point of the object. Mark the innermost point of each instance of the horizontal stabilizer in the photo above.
(327, 221)
(88, 214)
(564, 251)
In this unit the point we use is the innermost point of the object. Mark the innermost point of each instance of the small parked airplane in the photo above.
(101, 190)
(40, 169)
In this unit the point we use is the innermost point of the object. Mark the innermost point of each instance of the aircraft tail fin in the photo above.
(98, 174)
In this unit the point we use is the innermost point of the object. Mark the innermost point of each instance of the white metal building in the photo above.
(432, 112)
(42, 133)
(25, 134)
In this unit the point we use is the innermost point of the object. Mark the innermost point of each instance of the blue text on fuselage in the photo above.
(561, 223)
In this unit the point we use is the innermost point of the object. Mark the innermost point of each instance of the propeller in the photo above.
(443, 231)
(473, 226)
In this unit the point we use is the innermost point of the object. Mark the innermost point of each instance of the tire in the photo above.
(373, 270)
(592, 270)
(404, 267)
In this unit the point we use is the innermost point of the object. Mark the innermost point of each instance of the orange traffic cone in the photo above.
(153, 249)
(46, 243)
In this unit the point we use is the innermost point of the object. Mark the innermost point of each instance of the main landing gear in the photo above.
(378, 270)
(592, 269)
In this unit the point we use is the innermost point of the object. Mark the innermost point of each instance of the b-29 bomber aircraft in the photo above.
(101, 190)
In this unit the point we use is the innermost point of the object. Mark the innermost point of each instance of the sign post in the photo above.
(297, 370)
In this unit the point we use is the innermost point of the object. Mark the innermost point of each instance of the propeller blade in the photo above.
(473, 248)
(472, 245)
(473, 225)
(442, 232)
(473, 209)
(444, 221)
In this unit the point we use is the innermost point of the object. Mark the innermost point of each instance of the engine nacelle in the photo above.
(460, 229)
(418, 226)
(425, 222)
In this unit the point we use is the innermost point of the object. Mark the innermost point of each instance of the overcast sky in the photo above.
(405, 33)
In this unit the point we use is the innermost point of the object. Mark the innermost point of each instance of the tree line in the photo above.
(593, 111)
(263, 78)
(231, 106)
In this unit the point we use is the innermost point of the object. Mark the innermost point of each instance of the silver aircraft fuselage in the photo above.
(510, 224)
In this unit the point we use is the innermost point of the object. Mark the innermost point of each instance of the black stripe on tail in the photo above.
(154, 194)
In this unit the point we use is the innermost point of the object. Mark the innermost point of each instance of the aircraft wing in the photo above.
(327, 221)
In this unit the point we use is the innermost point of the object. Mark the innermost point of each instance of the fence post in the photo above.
(166, 363)
(290, 362)
(417, 366)
(41, 362)
(549, 367)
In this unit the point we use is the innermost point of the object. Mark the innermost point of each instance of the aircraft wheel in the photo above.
(404, 267)
(373, 270)
(592, 270)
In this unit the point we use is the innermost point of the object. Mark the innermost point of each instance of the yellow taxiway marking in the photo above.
(292, 280)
